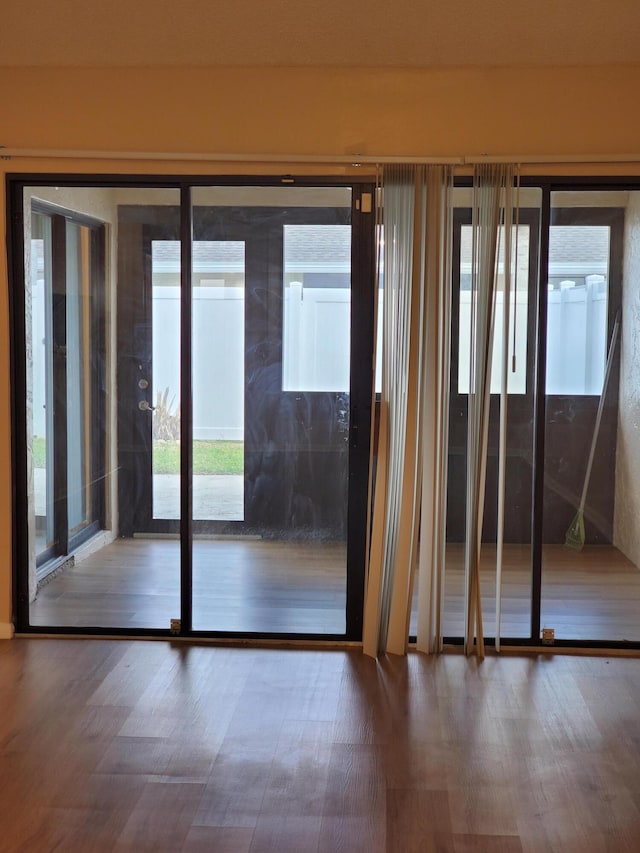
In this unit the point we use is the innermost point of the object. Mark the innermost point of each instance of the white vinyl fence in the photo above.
(218, 357)
(577, 337)
(316, 347)
(576, 340)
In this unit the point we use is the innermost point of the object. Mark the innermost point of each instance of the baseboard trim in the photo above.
(6, 630)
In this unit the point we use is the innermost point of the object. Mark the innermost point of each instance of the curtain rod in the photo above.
(355, 159)
(318, 159)
(550, 159)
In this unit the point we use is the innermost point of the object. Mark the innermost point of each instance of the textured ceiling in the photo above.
(391, 33)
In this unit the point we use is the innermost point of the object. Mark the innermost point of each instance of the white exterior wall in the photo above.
(626, 529)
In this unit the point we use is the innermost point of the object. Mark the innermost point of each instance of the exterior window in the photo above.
(317, 307)
(577, 308)
(517, 381)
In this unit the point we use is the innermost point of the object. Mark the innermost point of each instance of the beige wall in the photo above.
(311, 110)
(306, 111)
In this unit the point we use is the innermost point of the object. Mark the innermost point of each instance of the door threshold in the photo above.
(52, 569)
(198, 640)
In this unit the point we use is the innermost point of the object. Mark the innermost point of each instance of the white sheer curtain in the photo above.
(413, 410)
(435, 407)
(408, 525)
(492, 220)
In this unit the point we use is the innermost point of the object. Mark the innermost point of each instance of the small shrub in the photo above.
(166, 420)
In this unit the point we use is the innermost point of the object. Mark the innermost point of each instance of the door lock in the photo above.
(144, 406)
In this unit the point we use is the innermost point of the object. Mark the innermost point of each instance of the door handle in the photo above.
(144, 406)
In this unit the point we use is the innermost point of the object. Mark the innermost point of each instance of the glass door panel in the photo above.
(271, 305)
(91, 331)
(150, 405)
(64, 372)
(516, 567)
(590, 577)
(40, 378)
(276, 457)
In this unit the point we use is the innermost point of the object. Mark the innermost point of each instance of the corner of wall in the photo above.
(6, 630)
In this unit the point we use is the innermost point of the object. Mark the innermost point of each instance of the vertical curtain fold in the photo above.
(435, 383)
(417, 237)
(408, 524)
(492, 217)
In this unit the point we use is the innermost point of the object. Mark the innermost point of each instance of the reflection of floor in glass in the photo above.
(238, 585)
(593, 594)
(298, 587)
(216, 497)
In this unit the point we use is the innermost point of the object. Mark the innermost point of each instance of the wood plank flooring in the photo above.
(299, 587)
(153, 746)
(593, 594)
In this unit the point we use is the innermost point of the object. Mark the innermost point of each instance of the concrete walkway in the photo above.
(216, 497)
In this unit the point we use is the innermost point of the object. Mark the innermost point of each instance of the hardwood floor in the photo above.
(299, 587)
(152, 746)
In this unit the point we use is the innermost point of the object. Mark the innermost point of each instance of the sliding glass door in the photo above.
(571, 549)
(516, 588)
(271, 319)
(192, 396)
(198, 391)
(590, 588)
(65, 315)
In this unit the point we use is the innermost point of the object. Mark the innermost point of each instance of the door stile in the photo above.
(186, 412)
(59, 342)
(363, 292)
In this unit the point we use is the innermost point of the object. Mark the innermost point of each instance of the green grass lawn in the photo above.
(39, 453)
(209, 457)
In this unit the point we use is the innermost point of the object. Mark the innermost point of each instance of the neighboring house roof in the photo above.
(308, 248)
(582, 243)
(573, 250)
